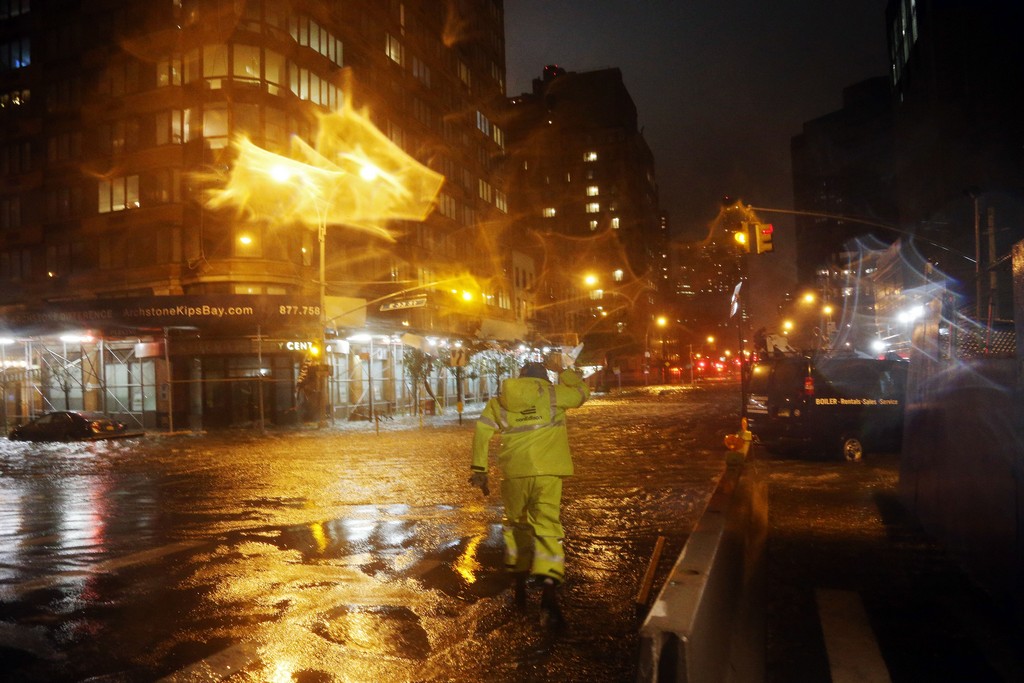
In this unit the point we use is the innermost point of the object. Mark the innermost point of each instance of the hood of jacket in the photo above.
(522, 393)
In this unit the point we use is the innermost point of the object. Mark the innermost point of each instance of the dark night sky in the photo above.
(720, 87)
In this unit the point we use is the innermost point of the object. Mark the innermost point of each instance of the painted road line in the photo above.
(853, 653)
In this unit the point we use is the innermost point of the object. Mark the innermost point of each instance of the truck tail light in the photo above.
(808, 386)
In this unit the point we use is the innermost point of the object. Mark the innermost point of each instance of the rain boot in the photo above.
(520, 589)
(550, 611)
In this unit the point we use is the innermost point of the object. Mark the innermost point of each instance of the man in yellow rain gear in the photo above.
(529, 413)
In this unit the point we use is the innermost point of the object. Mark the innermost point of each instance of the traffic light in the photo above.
(742, 237)
(763, 237)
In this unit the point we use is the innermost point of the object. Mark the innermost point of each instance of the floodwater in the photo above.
(341, 554)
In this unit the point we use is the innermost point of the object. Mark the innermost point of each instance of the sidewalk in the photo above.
(858, 592)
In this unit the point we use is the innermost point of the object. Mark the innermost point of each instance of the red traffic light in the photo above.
(763, 237)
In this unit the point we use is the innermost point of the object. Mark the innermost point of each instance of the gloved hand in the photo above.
(479, 479)
(571, 377)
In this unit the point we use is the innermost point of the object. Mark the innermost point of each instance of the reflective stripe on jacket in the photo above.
(529, 413)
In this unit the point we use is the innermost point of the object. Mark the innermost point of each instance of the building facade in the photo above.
(118, 120)
(957, 78)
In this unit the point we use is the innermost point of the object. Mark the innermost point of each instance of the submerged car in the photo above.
(69, 425)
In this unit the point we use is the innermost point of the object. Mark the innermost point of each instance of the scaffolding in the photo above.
(128, 379)
(39, 375)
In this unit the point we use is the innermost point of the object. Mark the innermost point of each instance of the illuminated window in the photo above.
(246, 65)
(215, 64)
(549, 212)
(501, 201)
(307, 32)
(447, 205)
(593, 207)
(16, 54)
(483, 123)
(615, 222)
(593, 191)
(617, 274)
(119, 194)
(393, 49)
(215, 125)
(14, 98)
(590, 156)
(168, 72)
(307, 85)
(485, 190)
(593, 224)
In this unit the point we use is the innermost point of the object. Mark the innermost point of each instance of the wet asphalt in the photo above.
(840, 529)
(346, 554)
(341, 554)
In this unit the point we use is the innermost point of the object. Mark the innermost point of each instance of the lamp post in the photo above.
(662, 321)
(322, 367)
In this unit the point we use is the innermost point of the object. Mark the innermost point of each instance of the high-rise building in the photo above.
(958, 87)
(583, 188)
(843, 178)
(119, 118)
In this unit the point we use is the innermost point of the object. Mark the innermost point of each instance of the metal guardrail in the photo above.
(707, 623)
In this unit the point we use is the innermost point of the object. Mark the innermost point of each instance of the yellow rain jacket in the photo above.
(530, 415)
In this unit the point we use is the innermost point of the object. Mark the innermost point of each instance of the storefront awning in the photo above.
(501, 330)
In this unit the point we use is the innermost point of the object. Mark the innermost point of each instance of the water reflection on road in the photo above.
(340, 554)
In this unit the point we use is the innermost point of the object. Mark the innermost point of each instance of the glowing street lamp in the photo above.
(354, 176)
(662, 321)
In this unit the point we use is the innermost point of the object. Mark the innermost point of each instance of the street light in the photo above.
(352, 176)
(662, 321)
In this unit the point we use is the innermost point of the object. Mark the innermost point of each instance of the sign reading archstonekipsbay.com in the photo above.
(239, 314)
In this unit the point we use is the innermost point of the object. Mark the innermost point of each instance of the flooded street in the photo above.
(340, 554)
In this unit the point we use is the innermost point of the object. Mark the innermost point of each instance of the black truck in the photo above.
(833, 404)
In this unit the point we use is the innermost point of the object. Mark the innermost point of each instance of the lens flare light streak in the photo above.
(354, 176)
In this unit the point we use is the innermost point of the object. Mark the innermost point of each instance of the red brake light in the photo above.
(808, 386)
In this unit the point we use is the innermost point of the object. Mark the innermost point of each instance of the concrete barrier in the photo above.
(707, 623)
